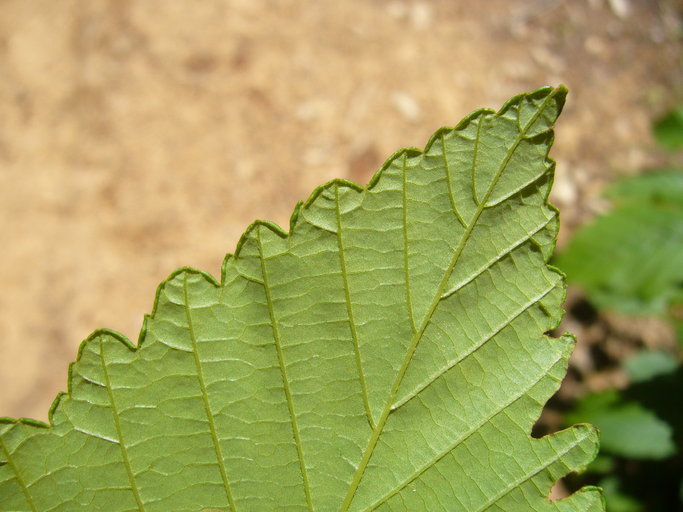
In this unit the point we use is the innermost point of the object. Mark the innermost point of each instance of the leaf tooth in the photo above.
(580, 438)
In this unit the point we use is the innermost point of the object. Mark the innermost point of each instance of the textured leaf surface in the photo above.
(386, 354)
(631, 259)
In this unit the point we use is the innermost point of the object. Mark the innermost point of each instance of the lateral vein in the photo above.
(432, 378)
(527, 477)
(119, 433)
(474, 161)
(283, 372)
(20, 480)
(349, 311)
(406, 262)
(448, 178)
(459, 441)
(205, 398)
(493, 261)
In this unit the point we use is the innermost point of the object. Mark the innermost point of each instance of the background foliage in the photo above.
(630, 261)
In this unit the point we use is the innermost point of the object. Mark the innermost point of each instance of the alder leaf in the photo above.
(386, 354)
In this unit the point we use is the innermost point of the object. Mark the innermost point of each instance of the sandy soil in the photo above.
(140, 136)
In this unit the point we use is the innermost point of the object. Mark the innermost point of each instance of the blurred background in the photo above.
(138, 137)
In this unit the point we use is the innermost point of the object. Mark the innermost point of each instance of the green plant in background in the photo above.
(669, 129)
(388, 353)
(631, 260)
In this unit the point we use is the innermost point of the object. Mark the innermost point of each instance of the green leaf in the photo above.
(678, 327)
(648, 364)
(655, 186)
(626, 427)
(386, 354)
(631, 259)
(669, 129)
(617, 500)
(602, 463)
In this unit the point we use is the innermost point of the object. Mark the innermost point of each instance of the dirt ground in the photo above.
(140, 136)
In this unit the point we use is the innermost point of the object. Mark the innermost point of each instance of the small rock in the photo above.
(317, 154)
(407, 106)
(564, 189)
(519, 28)
(421, 15)
(397, 10)
(547, 59)
(621, 8)
(657, 35)
(308, 110)
(594, 45)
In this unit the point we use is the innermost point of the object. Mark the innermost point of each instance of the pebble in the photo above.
(622, 8)
(407, 106)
